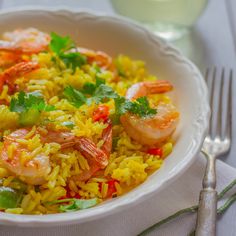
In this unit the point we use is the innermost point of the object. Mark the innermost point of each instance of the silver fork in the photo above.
(215, 144)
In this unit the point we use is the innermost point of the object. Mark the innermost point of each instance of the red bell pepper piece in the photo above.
(155, 151)
(101, 113)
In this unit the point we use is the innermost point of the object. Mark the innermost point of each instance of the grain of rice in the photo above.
(104, 190)
(14, 210)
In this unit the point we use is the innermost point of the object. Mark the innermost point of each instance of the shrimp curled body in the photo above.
(34, 169)
(155, 129)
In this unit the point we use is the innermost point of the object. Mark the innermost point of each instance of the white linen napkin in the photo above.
(180, 194)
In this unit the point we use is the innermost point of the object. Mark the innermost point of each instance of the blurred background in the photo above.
(204, 30)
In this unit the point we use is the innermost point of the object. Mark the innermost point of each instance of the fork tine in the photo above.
(220, 107)
(211, 85)
(229, 108)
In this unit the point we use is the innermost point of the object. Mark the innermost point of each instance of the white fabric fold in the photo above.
(180, 194)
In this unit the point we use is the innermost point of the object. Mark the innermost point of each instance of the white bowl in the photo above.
(117, 35)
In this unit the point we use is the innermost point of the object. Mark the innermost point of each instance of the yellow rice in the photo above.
(128, 163)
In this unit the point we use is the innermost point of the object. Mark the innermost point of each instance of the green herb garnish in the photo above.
(89, 88)
(29, 106)
(75, 96)
(75, 204)
(100, 93)
(61, 45)
(9, 198)
(68, 124)
(103, 93)
(141, 107)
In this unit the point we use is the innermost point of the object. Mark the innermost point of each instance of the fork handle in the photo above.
(206, 219)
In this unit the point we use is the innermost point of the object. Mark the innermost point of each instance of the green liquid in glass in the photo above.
(168, 18)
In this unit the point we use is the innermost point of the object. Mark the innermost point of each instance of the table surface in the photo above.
(212, 42)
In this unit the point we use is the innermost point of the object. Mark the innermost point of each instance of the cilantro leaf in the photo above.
(74, 204)
(73, 59)
(18, 105)
(26, 101)
(74, 96)
(89, 88)
(104, 93)
(68, 124)
(79, 204)
(122, 105)
(141, 107)
(138, 107)
(61, 45)
(99, 81)
(100, 93)
(29, 106)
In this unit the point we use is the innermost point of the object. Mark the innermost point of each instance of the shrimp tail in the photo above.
(89, 150)
(101, 58)
(144, 88)
(20, 69)
(1, 82)
(107, 137)
(6, 46)
(86, 174)
(65, 139)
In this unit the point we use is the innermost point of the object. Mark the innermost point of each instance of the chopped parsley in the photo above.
(74, 96)
(29, 106)
(68, 124)
(61, 45)
(103, 93)
(89, 88)
(100, 93)
(74, 204)
(141, 107)
(138, 107)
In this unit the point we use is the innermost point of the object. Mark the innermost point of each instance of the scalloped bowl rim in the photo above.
(100, 211)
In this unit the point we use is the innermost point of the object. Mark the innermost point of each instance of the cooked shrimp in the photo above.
(97, 157)
(8, 59)
(11, 74)
(155, 129)
(36, 168)
(101, 58)
(27, 41)
(33, 170)
(107, 138)
(84, 145)
(145, 88)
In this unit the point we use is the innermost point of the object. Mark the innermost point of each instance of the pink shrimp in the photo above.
(7, 59)
(155, 129)
(97, 157)
(92, 153)
(25, 41)
(34, 170)
(101, 58)
(11, 74)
